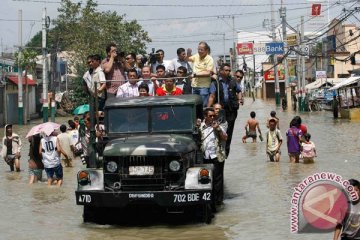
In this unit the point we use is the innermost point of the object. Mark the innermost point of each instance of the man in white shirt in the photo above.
(213, 137)
(130, 88)
(149, 79)
(96, 76)
(180, 61)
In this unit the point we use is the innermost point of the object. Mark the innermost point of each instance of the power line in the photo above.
(177, 5)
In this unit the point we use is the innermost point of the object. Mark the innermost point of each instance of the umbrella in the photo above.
(47, 128)
(81, 109)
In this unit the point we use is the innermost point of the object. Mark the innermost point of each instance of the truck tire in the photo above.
(207, 213)
(93, 215)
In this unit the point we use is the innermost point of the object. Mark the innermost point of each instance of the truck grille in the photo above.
(158, 180)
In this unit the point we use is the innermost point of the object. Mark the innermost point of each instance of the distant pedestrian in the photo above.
(74, 135)
(50, 151)
(273, 116)
(308, 150)
(253, 124)
(293, 135)
(284, 103)
(273, 141)
(335, 107)
(67, 146)
(300, 125)
(11, 148)
(76, 121)
(294, 101)
(36, 166)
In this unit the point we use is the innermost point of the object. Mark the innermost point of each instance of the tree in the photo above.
(83, 31)
(87, 31)
(26, 58)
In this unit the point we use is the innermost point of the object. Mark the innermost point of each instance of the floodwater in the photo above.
(257, 192)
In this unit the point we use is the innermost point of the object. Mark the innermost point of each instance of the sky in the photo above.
(171, 23)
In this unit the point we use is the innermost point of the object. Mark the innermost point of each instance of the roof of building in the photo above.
(14, 79)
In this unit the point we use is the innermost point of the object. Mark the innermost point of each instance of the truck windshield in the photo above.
(172, 118)
(126, 120)
(163, 119)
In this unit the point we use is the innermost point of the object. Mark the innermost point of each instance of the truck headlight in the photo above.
(111, 166)
(83, 177)
(204, 176)
(174, 166)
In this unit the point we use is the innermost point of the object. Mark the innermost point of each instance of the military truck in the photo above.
(151, 156)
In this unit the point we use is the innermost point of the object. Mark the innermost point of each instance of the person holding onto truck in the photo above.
(213, 137)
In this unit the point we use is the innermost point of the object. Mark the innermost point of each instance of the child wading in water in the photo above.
(308, 150)
(253, 124)
(273, 141)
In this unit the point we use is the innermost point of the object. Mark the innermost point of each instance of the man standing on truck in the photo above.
(212, 138)
(226, 91)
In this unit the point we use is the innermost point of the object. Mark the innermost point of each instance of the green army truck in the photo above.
(150, 156)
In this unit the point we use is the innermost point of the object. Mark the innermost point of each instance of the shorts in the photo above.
(10, 159)
(36, 172)
(308, 160)
(272, 154)
(58, 171)
(294, 154)
(251, 134)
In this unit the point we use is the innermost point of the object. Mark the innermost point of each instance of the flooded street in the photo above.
(257, 192)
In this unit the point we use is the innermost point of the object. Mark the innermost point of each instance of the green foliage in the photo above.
(87, 31)
(27, 59)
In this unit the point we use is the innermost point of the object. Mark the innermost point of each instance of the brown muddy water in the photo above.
(257, 192)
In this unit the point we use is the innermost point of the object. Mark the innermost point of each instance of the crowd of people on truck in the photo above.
(123, 75)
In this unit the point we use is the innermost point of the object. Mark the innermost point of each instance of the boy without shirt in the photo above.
(253, 124)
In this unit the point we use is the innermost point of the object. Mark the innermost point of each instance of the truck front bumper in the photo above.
(100, 198)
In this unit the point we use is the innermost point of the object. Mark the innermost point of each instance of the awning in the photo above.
(320, 82)
(347, 82)
(14, 80)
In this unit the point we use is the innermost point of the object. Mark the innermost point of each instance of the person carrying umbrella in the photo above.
(11, 147)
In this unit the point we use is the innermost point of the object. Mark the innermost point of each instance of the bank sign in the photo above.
(260, 48)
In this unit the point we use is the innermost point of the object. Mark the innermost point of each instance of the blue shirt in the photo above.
(225, 85)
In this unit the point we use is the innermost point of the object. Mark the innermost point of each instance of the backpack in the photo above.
(307, 150)
(277, 132)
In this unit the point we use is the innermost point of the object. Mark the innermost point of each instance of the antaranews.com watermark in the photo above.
(320, 202)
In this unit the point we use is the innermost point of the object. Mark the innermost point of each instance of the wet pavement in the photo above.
(257, 192)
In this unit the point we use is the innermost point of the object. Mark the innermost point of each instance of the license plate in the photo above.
(141, 170)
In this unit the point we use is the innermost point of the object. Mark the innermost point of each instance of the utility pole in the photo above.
(235, 43)
(298, 71)
(302, 67)
(285, 62)
(20, 87)
(224, 48)
(44, 72)
(277, 87)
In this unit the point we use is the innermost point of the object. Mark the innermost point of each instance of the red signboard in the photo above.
(270, 76)
(245, 48)
(316, 9)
